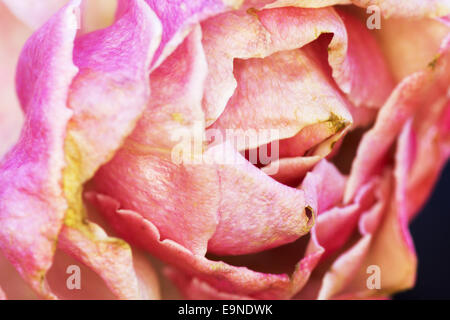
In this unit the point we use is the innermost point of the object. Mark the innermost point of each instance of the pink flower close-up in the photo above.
(218, 149)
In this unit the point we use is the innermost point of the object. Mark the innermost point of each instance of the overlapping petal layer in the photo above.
(178, 18)
(59, 134)
(261, 33)
(123, 104)
(31, 172)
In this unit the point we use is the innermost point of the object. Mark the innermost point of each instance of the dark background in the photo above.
(431, 233)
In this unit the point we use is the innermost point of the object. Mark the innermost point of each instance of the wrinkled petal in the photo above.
(236, 280)
(179, 17)
(174, 110)
(224, 277)
(269, 213)
(65, 140)
(391, 249)
(239, 35)
(286, 91)
(31, 173)
(341, 273)
(417, 91)
(107, 97)
(12, 284)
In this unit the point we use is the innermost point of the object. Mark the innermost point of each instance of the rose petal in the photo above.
(423, 149)
(163, 192)
(343, 270)
(235, 280)
(391, 249)
(31, 171)
(104, 60)
(179, 17)
(408, 52)
(416, 91)
(306, 98)
(255, 212)
(112, 75)
(174, 110)
(371, 81)
(223, 277)
(262, 33)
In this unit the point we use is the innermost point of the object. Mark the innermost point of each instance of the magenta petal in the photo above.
(31, 173)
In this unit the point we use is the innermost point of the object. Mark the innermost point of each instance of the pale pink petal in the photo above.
(330, 191)
(415, 92)
(178, 17)
(343, 269)
(286, 91)
(174, 111)
(334, 229)
(371, 81)
(171, 195)
(223, 277)
(255, 212)
(2, 295)
(290, 170)
(234, 280)
(31, 173)
(107, 97)
(392, 251)
(240, 35)
(335, 226)
(97, 14)
(407, 52)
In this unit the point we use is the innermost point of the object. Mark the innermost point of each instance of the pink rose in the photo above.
(260, 149)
